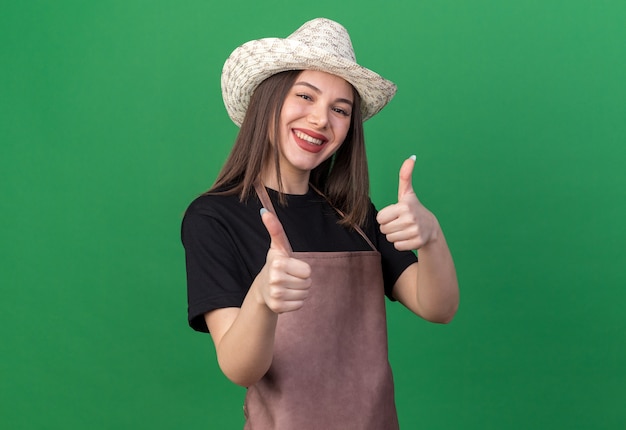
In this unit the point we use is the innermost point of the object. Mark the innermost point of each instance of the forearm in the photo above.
(245, 337)
(437, 286)
(246, 349)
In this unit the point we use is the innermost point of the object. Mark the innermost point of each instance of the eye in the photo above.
(341, 111)
(304, 96)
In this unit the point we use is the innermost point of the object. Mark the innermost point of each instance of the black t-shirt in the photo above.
(226, 245)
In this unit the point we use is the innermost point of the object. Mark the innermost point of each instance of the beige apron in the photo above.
(330, 368)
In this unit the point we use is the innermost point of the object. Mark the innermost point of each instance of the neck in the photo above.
(292, 183)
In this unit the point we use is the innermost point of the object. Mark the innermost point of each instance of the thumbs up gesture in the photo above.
(286, 280)
(408, 224)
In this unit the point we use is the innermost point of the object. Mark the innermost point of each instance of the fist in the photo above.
(408, 224)
(286, 280)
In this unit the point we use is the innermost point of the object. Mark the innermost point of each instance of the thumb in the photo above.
(406, 177)
(277, 233)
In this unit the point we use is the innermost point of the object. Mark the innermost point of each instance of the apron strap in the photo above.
(267, 204)
(356, 227)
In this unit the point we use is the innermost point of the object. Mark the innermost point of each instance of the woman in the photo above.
(294, 298)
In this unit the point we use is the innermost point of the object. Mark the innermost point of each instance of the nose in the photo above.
(318, 116)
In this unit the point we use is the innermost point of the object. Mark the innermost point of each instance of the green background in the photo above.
(111, 122)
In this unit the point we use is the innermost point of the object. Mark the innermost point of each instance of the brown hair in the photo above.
(343, 178)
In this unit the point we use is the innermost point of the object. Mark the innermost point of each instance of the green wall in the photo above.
(111, 121)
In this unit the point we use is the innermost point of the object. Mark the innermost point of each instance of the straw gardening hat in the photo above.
(320, 44)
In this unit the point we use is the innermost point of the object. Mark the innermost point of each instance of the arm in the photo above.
(244, 337)
(428, 288)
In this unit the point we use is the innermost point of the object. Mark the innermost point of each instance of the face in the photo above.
(313, 124)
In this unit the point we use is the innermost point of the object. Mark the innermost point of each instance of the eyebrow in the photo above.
(317, 90)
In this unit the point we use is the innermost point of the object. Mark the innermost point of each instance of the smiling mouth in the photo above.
(308, 138)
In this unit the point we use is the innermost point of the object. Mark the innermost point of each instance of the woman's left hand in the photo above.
(408, 224)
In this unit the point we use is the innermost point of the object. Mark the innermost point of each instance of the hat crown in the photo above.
(330, 36)
(320, 44)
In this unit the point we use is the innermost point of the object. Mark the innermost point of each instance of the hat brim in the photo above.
(253, 62)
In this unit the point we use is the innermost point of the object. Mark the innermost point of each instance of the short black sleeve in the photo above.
(394, 262)
(209, 273)
(225, 247)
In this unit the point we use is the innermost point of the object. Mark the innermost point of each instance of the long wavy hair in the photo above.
(343, 178)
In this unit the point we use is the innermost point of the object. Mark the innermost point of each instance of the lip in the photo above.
(308, 146)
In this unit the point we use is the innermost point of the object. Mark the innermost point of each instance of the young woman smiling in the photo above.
(288, 261)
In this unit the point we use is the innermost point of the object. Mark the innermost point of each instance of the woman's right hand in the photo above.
(286, 280)
(244, 337)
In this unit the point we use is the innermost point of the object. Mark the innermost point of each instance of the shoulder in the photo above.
(207, 204)
(223, 211)
(222, 206)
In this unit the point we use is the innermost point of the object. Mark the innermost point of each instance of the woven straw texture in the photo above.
(319, 44)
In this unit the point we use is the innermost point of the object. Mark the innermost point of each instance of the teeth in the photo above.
(308, 138)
